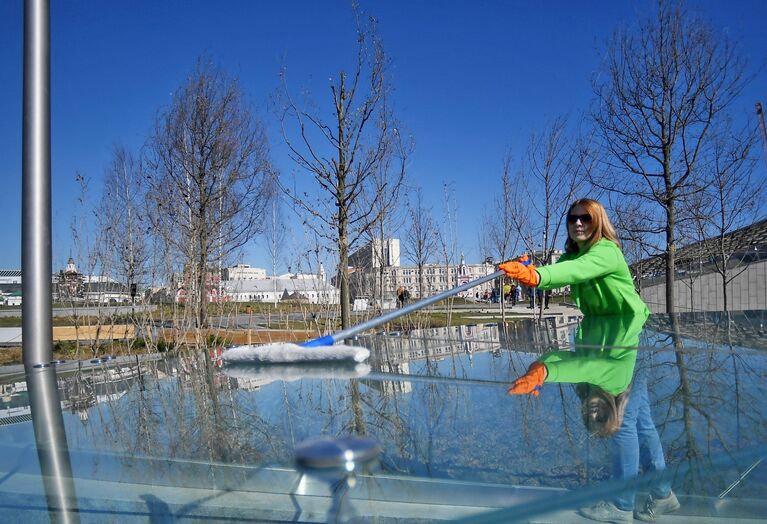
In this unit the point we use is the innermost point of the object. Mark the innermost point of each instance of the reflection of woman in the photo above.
(614, 403)
(603, 359)
(593, 265)
(636, 446)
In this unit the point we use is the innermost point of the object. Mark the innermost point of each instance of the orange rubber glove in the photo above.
(522, 270)
(531, 381)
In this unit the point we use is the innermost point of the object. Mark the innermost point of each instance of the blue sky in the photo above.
(471, 79)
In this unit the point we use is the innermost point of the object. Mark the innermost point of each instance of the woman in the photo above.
(593, 265)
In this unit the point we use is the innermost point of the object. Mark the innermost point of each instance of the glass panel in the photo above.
(183, 437)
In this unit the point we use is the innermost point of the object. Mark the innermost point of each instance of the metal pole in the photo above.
(52, 450)
(36, 187)
(329, 340)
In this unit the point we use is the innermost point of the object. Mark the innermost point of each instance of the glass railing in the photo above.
(139, 439)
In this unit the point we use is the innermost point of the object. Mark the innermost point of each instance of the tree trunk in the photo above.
(420, 281)
(202, 291)
(670, 255)
(343, 271)
(343, 217)
(381, 269)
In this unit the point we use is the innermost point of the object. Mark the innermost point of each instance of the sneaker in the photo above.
(656, 506)
(607, 512)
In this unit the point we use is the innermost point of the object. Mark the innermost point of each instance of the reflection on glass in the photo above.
(51, 441)
(611, 383)
(637, 445)
(189, 437)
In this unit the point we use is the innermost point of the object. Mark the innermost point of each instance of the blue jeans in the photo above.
(637, 442)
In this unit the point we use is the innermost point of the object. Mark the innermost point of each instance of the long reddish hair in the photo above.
(602, 227)
(610, 409)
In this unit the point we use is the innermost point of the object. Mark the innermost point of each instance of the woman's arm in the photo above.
(610, 370)
(602, 258)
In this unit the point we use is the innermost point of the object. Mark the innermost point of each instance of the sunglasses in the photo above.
(585, 219)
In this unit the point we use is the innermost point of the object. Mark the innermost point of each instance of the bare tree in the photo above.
(545, 188)
(446, 240)
(732, 199)
(343, 154)
(420, 237)
(389, 179)
(124, 221)
(555, 165)
(662, 87)
(274, 239)
(210, 179)
(500, 234)
(637, 231)
(499, 231)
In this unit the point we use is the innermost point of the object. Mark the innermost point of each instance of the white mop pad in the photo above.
(291, 372)
(285, 352)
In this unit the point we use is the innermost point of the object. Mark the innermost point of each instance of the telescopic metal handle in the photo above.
(329, 340)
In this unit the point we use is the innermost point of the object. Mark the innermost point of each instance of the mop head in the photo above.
(286, 353)
(292, 372)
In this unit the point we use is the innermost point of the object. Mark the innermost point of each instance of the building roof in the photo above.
(752, 238)
(268, 285)
(105, 287)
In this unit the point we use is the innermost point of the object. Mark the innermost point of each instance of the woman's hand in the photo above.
(531, 381)
(525, 274)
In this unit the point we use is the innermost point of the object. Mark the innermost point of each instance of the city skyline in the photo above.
(471, 81)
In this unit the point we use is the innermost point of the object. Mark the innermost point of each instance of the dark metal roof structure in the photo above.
(749, 243)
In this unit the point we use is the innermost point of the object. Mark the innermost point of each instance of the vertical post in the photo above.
(36, 187)
(52, 449)
(37, 329)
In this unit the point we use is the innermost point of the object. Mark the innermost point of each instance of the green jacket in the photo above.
(605, 353)
(599, 280)
(611, 370)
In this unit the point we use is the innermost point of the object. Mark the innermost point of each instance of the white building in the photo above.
(438, 278)
(97, 289)
(367, 273)
(375, 265)
(313, 289)
(376, 254)
(243, 272)
(10, 300)
(105, 290)
(10, 287)
(10, 276)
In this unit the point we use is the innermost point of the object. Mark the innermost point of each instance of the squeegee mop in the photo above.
(327, 348)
